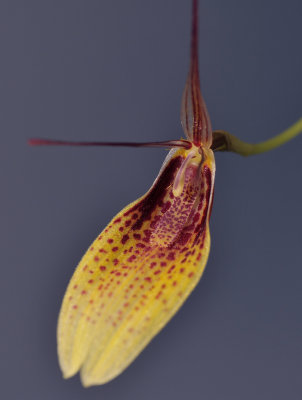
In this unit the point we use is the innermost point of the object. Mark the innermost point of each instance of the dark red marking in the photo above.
(163, 264)
(124, 239)
(156, 194)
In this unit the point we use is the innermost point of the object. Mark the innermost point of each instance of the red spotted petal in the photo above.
(139, 271)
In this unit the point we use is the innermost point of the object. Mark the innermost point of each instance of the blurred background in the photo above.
(115, 70)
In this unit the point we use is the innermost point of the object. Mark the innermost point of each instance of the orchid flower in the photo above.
(142, 267)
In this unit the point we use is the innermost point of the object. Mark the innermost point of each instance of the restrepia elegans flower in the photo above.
(142, 267)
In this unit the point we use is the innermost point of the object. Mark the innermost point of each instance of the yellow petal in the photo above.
(137, 273)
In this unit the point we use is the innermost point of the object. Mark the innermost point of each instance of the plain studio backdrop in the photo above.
(115, 70)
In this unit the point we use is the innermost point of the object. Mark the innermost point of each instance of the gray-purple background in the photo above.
(115, 70)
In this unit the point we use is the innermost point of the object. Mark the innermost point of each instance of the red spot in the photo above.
(102, 268)
(158, 295)
(100, 287)
(126, 304)
(91, 248)
(163, 264)
(124, 239)
(114, 248)
(100, 237)
(181, 270)
(127, 223)
(83, 292)
(102, 251)
(183, 238)
(147, 233)
(96, 258)
(174, 283)
(115, 261)
(85, 267)
(166, 206)
(199, 257)
(171, 256)
(90, 271)
(152, 265)
(110, 294)
(121, 229)
(157, 272)
(141, 245)
(171, 269)
(75, 286)
(191, 274)
(142, 286)
(110, 240)
(132, 258)
(118, 274)
(91, 301)
(117, 220)
(148, 279)
(196, 217)
(90, 281)
(75, 307)
(135, 216)
(137, 236)
(163, 286)
(70, 298)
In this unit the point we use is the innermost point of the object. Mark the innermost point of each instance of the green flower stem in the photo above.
(224, 141)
